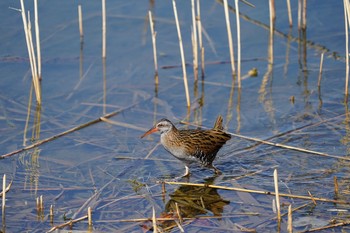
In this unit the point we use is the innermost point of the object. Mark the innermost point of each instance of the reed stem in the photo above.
(80, 17)
(346, 17)
(37, 38)
(182, 55)
(154, 34)
(103, 28)
(278, 205)
(229, 37)
(290, 18)
(194, 41)
(238, 44)
(320, 71)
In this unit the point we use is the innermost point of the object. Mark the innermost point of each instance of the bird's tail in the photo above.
(218, 123)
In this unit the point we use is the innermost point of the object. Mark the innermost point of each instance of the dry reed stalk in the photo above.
(194, 41)
(103, 28)
(37, 37)
(30, 54)
(199, 26)
(238, 45)
(202, 61)
(51, 214)
(290, 18)
(89, 216)
(272, 29)
(336, 186)
(182, 55)
(326, 227)
(154, 34)
(320, 71)
(41, 203)
(258, 192)
(67, 223)
(229, 37)
(3, 207)
(290, 220)
(38, 206)
(33, 58)
(154, 220)
(346, 16)
(299, 14)
(178, 212)
(273, 10)
(97, 120)
(278, 205)
(80, 18)
(304, 15)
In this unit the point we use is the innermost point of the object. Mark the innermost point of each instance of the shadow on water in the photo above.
(187, 203)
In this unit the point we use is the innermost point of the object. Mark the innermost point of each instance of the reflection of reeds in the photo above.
(182, 55)
(32, 58)
(229, 37)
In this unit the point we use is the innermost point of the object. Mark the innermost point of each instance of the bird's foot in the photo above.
(217, 171)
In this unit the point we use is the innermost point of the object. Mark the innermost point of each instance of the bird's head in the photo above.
(162, 126)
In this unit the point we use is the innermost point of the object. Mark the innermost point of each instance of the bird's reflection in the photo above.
(193, 202)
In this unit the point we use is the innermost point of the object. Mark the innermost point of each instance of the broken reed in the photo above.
(35, 66)
(182, 55)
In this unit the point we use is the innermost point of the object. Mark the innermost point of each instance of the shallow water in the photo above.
(109, 168)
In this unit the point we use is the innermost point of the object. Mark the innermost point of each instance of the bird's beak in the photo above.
(154, 129)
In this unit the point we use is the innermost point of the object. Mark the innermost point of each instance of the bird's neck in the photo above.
(171, 135)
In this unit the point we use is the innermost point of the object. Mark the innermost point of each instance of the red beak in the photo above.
(149, 132)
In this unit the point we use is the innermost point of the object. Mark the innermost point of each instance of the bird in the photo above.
(191, 145)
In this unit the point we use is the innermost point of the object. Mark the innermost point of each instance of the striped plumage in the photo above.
(192, 145)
